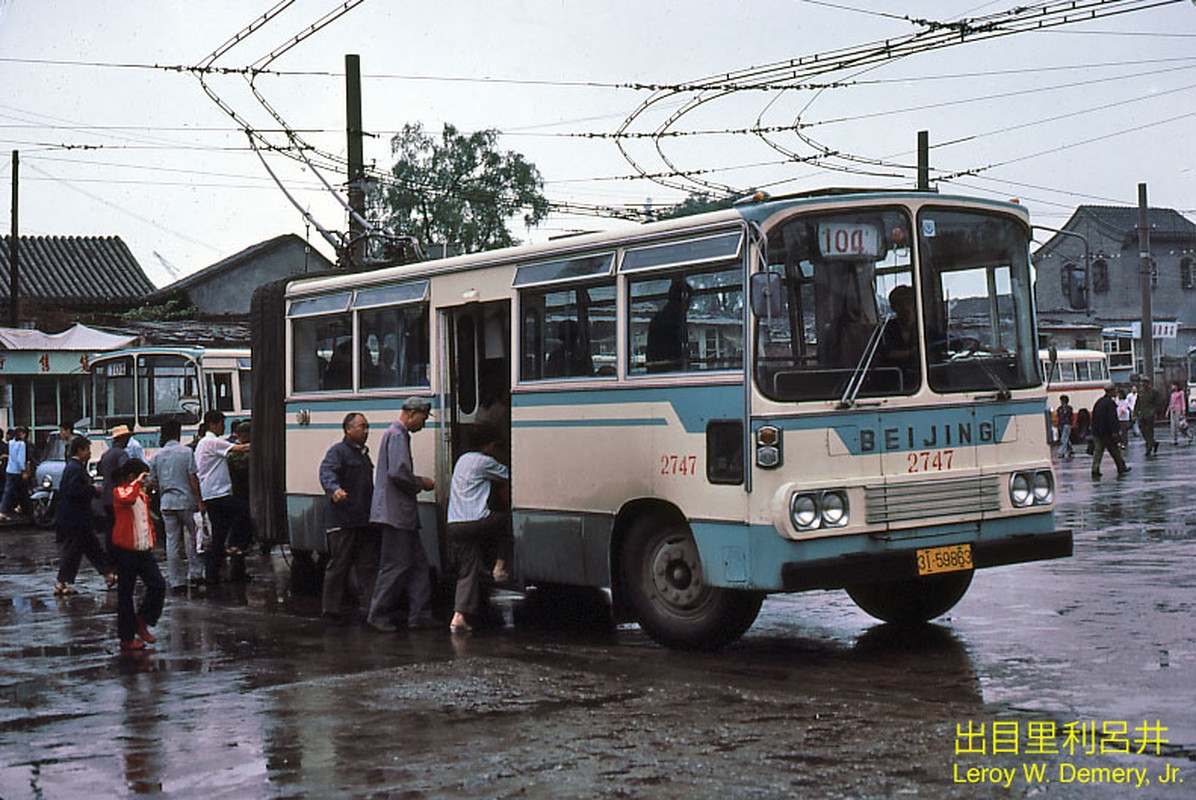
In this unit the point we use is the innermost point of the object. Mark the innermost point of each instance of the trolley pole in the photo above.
(356, 254)
(1144, 270)
(923, 161)
(14, 250)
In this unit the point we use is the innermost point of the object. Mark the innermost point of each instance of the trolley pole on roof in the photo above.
(356, 249)
(923, 161)
(14, 249)
(1144, 270)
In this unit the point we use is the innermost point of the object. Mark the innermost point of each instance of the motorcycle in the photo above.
(43, 502)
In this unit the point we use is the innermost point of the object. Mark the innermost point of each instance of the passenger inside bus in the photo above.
(899, 347)
(570, 356)
(668, 331)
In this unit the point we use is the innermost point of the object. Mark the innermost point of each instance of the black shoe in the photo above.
(1121, 472)
(423, 623)
(1096, 474)
(382, 626)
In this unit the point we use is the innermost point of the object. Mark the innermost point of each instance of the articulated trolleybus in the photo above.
(836, 390)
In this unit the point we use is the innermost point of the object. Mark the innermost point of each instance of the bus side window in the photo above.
(686, 323)
(569, 333)
(322, 353)
(220, 390)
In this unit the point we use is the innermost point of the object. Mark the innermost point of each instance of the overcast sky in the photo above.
(113, 141)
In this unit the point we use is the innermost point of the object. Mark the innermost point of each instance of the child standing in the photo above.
(132, 549)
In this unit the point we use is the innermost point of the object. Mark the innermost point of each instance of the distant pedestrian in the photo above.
(1124, 420)
(347, 476)
(1064, 420)
(1150, 403)
(17, 473)
(1106, 432)
(1132, 397)
(75, 534)
(1177, 412)
(216, 488)
(173, 472)
(240, 532)
(111, 464)
(479, 535)
(132, 548)
(403, 564)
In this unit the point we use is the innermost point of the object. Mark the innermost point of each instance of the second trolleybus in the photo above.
(832, 391)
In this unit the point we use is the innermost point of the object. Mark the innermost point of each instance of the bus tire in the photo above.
(907, 602)
(663, 586)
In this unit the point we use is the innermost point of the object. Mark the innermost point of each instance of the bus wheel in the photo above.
(911, 601)
(662, 580)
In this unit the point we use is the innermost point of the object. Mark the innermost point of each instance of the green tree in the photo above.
(457, 189)
(695, 203)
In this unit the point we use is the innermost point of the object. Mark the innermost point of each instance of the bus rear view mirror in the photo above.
(767, 293)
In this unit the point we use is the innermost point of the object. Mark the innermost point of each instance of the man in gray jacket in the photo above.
(403, 565)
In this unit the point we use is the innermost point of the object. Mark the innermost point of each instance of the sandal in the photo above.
(61, 589)
(110, 581)
(500, 576)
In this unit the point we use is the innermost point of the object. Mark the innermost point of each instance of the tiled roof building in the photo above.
(79, 272)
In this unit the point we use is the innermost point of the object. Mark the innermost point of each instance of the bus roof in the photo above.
(748, 210)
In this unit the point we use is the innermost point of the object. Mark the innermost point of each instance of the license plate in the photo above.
(933, 560)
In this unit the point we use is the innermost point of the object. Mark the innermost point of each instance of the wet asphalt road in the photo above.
(247, 695)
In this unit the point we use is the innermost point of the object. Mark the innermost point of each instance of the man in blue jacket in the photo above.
(403, 564)
(1106, 430)
(347, 475)
(76, 534)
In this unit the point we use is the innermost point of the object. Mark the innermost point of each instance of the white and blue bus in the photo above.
(142, 387)
(705, 410)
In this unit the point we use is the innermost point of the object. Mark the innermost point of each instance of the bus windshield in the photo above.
(976, 293)
(847, 308)
(160, 386)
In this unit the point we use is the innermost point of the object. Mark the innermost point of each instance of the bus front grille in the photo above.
(954, 497)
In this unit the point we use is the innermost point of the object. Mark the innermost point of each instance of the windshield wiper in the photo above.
(847, 400)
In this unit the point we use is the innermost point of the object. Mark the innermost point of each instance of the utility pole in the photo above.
(923, 161)
(14, 250)
(1144, 270)
(357, 249)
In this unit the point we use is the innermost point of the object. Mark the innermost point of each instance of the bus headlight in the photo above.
(1019, 490)
(1044, 487)
(834, 509)
(803, 511)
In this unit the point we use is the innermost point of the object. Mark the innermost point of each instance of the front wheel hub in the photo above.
(677, 573)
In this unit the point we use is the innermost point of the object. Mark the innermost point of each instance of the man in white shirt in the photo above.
(473, 527)
(216, 488)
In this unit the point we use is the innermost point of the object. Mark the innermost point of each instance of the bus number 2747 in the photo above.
(930, 460)
(678, 465)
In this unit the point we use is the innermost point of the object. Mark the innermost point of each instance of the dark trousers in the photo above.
(131, 565)
(402, 569)
(73, 544)
(240, 526)
(222, 514)
(16, 493)
(476, 545)
(1104, 443)
(1146, 428)
(355, 551)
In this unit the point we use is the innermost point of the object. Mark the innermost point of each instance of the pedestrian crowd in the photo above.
(376, 571)
(373, 525)
(1115, 416)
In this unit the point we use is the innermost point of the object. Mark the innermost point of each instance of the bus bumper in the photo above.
(902, 564)
(755, 557)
